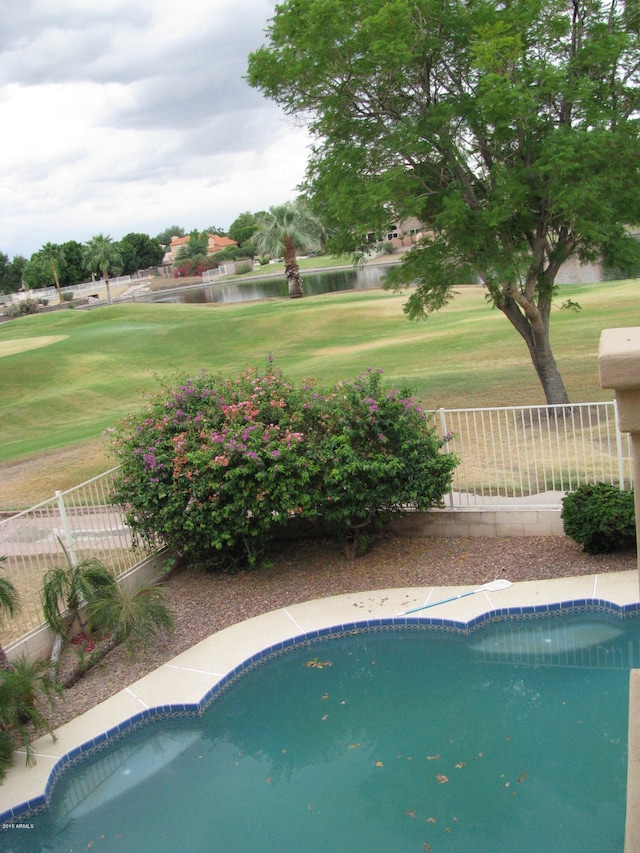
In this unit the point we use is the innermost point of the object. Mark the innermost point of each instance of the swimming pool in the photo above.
(422, 737)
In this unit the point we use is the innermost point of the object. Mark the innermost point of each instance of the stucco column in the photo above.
(619, 362)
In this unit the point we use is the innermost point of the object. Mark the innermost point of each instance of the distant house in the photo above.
(215, 243)
(403, 234)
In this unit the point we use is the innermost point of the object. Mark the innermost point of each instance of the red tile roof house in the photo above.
(215, 243)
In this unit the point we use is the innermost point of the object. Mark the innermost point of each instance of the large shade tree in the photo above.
(101, 254)
(285, 230)
(509, 129)
(139, 252)
(11, 273)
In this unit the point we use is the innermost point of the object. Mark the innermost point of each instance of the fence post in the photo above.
(68, 533)
(618, 446)
(443, 432)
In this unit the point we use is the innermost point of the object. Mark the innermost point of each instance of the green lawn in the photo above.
(107, 361)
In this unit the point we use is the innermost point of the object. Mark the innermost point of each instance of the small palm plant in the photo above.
(66, 590)
(89, 595)
(9, 605)
(133, 617)
(24, 689)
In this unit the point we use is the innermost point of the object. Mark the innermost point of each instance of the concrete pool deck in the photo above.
(185, 682)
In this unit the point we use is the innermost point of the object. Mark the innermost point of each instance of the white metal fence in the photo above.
(509, 458)
(80, 522)
(533, 454)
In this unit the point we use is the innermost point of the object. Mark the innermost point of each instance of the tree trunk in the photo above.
(106, 281)
(55, 277)
(535, 331)
(292, 270)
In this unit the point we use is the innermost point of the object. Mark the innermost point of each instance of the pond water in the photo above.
(511, 738)
(273, 287)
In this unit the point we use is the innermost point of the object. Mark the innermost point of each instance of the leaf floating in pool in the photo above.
(355, 745)
(378, 764)
(507, 784)
(433, 757)
(431, 820)
(426, 847)
(325, 717)
(442, 780)
(325, 696)
(522, 778)
(410, 813)
(268, 780)
(461, 764)
(318, 664)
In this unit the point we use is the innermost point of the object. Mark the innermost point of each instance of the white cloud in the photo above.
(125, 116)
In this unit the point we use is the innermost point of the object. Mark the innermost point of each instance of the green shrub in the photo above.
(600, 517)
(21, 308)
(388, 247)
(243, 267)
(67, 295)
(378, 455)
(215, 467)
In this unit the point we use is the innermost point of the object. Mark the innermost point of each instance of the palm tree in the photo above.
(285, 229)
(65, 591)
(89, 593)
(23, 690)
(9, 604)
(133, 617)
(53, 255)
(102, 253)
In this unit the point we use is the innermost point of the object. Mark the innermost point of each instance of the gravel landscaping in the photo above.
(303, 570)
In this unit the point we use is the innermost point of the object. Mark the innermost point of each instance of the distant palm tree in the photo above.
(9, 604)
(53, 255)
(285, 229)
(103, 254)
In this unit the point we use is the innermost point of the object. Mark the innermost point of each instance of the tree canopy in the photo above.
(509, 129)
(139, 252)
(11, 273)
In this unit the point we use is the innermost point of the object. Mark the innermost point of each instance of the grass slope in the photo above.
(97, 366)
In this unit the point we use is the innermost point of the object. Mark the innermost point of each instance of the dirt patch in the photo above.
(30, 480)
(17, 345)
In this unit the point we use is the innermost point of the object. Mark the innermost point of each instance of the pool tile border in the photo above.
(29, 808)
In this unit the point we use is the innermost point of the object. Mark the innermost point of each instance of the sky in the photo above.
(133, 115)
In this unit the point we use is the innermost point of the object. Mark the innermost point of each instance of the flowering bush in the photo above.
(378, 455)
(214, 466)
(194, 266)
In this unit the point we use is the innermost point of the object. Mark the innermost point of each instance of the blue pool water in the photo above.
(513, 738)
